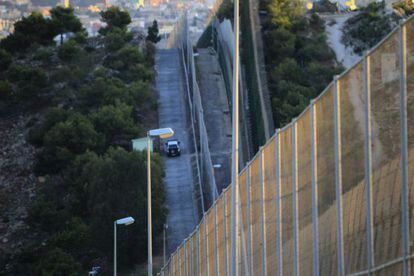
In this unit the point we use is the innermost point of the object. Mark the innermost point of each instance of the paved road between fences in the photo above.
(179, 182)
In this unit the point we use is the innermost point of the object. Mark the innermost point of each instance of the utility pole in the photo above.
(234, 245)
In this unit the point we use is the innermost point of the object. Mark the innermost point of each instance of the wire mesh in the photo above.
(286, 200)
(256, 216)
(221, 246)
(327, 220)
(352, 118)
(195, 250)
(385, 76)
(245, 215)
(188, 257)
(304, 193)
(181, 260)
(174, 265)
(385, 125)
(269, 165)
(210, 240)
(203, 248)
(227, 196)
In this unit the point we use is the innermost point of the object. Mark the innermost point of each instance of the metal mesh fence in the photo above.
(352, 106)
(342, 175)
(385, 123)
(211, 241)
(304, 193)
(269, 164)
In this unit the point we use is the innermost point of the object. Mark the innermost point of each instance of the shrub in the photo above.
(115, 122)
(70, 51)
(64, 141)
(5, 60)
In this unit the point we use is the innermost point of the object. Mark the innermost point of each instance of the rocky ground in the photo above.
(17, 188)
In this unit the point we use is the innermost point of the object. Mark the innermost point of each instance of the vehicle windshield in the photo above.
(173, 146)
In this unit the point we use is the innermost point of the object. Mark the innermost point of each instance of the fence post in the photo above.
(263, 211)
(278, 206)
(404, 149)
(295, 200)
(338, 175)
(249, 222)
(368, 162)
(314, 168)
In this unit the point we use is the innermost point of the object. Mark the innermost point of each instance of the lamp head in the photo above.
(125, 221)
(163, 133)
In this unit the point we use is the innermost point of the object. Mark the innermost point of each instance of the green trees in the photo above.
(95, 100)
(5, 60)
(116, 39)
(298, 59)
(367, 28)
(114, 18)
(29, 30)
(69, 51)
(153, 32)
(64, 141)
(29, 82)
(283, 12)
(115, 123)
(63, 20)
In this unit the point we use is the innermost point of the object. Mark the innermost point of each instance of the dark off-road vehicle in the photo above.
(172, 148)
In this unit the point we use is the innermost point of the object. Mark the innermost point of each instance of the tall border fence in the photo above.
(332, 193)
(206, 170)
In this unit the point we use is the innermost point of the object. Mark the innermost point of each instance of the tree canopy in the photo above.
(114, 17)
(63, 20)
(153, 32)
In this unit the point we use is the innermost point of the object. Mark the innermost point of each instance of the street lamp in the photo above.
(162, 133)
(124, 221)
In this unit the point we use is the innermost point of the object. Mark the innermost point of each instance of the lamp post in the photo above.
(234, 239)
(124, 221)
(162, 133)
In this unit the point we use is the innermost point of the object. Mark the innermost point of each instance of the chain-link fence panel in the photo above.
(269, 165)
(385, 123)
(244, 192)
(256, 216)
(325, 159)
(195, 254)
(227, 196)
(174, 264)
(181, 259)
(221, 238)
(304, 195)
(210, 240)
(286, 200)
(352, 125)
(203, 249)
(187, 250)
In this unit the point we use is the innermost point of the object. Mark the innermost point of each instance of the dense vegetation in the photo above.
(94, 96)
(299, 61)
(366, 29)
